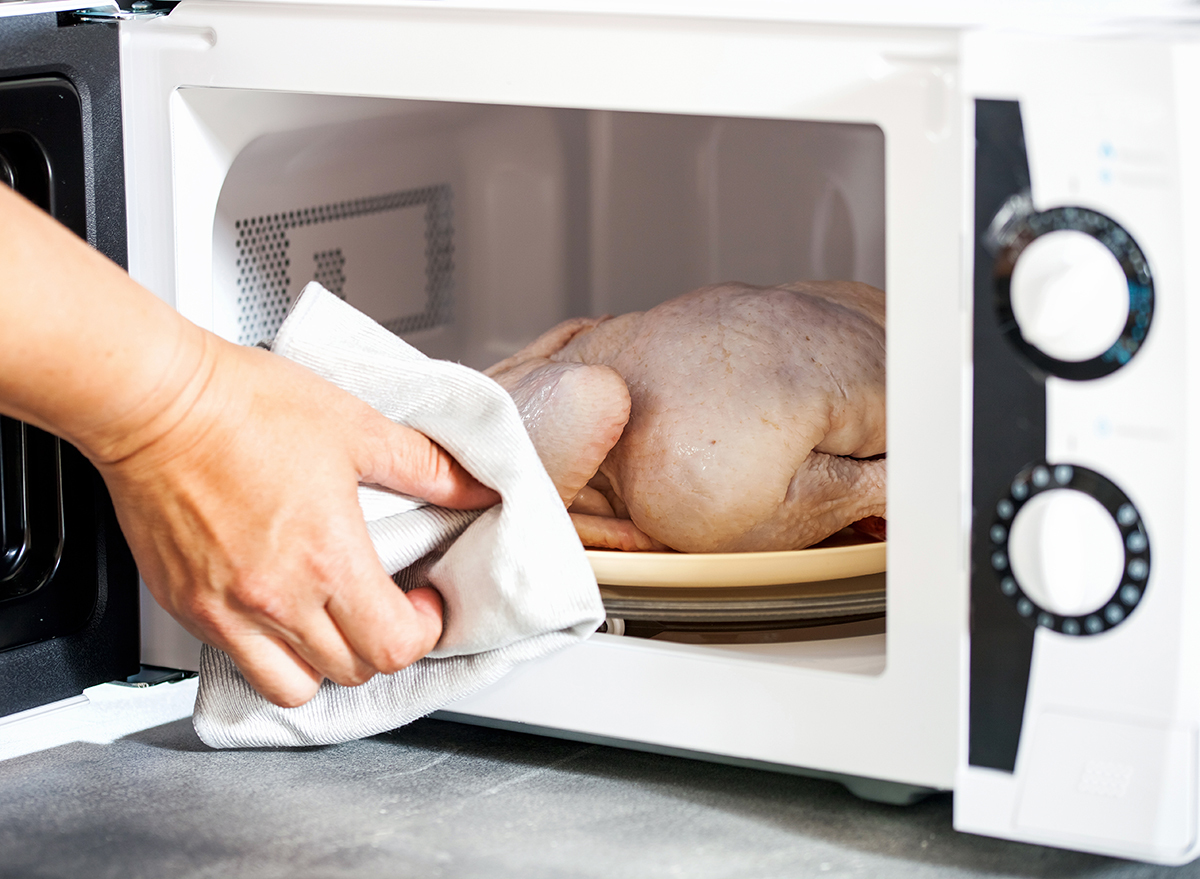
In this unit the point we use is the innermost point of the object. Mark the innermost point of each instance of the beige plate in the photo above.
(840, 556)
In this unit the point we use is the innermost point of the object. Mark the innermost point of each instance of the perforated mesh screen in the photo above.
(264, 261)
(263, 281)
(328, 272)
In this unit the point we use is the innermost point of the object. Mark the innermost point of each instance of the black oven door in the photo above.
(68, 585)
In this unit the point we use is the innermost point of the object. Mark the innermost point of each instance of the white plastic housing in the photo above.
(602, 163)
(1108, 751)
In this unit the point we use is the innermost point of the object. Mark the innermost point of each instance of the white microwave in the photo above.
(469, 174)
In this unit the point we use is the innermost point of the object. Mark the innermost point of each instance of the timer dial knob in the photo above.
(1070, 296)
(1066, 552)
(1074, 293)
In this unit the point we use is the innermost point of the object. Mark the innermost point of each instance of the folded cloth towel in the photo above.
(514, 579)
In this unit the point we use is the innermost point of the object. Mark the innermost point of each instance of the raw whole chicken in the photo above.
(733, 418)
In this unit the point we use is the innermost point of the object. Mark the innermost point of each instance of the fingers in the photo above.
(321, 644)
(365, 625)
(407, 461)
(273, 669)
(427, 601)
(366, 629)
(369, 626)
(389, 629)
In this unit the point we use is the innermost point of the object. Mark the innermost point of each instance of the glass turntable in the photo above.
(840, 580)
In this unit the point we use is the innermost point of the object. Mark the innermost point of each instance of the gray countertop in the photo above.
(441, 799)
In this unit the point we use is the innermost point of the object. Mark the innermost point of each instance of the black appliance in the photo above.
(68, 585)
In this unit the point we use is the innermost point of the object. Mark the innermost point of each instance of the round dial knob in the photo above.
(1066, 552)
(1069, 549)
(1074, 293)
(1070, 296)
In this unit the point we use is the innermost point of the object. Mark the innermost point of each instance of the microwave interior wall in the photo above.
(469, 229)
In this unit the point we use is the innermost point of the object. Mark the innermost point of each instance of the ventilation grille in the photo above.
(263, 282)
(265, 289)
(328, 272)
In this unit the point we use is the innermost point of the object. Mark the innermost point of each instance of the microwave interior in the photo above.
(469, 229)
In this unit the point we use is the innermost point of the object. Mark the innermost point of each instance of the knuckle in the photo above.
(444, 468)
(424, 460)
(392, 657)
(353, 678)
(205, 614)
(344, 668)
(328, 566)
(261, 597)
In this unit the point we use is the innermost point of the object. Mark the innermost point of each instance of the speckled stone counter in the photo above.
(440, 799)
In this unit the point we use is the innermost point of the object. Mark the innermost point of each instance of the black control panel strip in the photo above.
(1009, 431)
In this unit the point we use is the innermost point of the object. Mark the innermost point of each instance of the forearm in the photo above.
(85, 352)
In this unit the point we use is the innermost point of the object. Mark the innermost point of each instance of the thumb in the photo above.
(407, 461)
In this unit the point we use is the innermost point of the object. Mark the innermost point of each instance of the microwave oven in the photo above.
(471, 173)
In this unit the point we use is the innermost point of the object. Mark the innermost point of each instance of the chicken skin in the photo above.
(732, 418)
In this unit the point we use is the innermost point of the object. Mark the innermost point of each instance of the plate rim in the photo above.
(828, 562)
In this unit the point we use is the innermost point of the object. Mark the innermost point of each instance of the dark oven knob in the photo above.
(1074, 293)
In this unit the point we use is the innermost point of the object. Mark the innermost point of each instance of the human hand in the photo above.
(238, 499)
(233, 471)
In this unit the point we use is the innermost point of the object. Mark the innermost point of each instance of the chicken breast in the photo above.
(732, 418)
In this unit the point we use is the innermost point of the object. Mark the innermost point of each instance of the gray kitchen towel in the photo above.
(514, 579)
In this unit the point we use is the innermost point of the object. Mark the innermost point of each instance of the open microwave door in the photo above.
(68, 587)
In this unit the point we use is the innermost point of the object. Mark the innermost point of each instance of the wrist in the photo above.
(160, 387)
(85, 352)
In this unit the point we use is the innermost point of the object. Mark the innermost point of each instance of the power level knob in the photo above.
(1069, 549)
(1070, 297)
(1066, 552)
